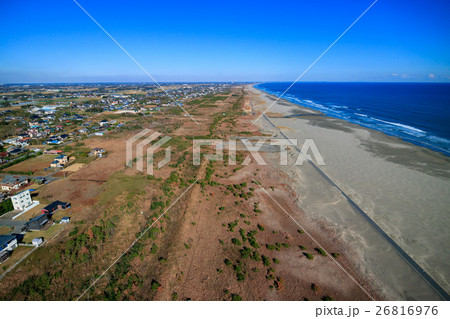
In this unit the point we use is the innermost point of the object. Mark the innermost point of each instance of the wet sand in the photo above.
(404, 188)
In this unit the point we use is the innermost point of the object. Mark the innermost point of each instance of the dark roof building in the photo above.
(55, 206)
(7, 242)
(38, 222)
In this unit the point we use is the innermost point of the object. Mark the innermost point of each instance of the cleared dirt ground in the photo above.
(224, 239)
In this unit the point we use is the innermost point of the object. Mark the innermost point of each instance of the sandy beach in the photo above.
(404, 189)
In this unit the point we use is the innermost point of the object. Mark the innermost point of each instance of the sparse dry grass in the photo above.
(35, 164)
(18, 253)
(192, 239)
(46, 234)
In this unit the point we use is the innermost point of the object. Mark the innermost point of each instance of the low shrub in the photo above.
(155, 285)
(235, 297)
(321, 251)
(236, 241)
(265, 261)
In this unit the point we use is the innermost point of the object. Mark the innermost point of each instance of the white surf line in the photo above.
(134, 242)
(135, 61)
(317, 243)
(316, 60)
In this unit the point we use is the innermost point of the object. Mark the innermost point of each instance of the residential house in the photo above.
(98, 151)
(3, 157)
(54, 141)
(11, 182)
(65, 220)
(16, 151)
(7, 244)
(37, 241)
(11, 140)
(21, 142)
(38, 222)
(49, 209)
(60, 161)
(52, 152)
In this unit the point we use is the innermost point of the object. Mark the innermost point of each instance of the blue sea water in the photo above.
(416, 112)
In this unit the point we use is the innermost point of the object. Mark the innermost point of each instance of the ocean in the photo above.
(416, 112)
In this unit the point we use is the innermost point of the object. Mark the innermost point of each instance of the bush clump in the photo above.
(155, 285)
(265, 261)
(321, 251)
(236, 241)
(245, 252)
(240, 276)
(235, 297)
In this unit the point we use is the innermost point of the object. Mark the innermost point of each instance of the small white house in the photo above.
(64, 220)
(37, 241)
(21, 200)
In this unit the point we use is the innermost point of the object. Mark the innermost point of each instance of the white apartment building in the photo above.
(22, 200)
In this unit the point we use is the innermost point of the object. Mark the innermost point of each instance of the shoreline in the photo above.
(427, 146)
(347, 213)
(430, 156)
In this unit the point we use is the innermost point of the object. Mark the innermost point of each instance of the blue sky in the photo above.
(54, 41)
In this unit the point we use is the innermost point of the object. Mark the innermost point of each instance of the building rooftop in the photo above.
(37, 218)
(26, 190)
(5, 239)
(54, 205)
(12, 179)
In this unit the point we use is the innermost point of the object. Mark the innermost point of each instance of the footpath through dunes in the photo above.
(340, 205)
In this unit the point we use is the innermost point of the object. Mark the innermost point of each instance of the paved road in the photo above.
(17, 224)
(11, 223)
(440, 291)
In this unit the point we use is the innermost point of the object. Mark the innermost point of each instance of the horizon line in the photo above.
(206, 82)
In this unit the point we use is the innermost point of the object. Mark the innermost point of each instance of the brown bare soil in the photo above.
(224, 238)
